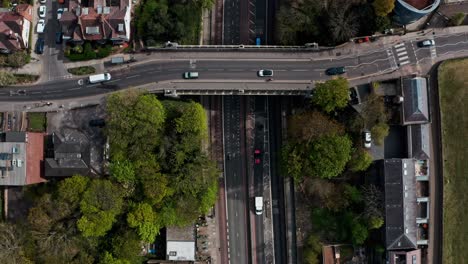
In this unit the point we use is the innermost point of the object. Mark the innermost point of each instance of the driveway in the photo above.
(52, 58)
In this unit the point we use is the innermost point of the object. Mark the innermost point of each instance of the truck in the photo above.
(258, 205)
(97, 78)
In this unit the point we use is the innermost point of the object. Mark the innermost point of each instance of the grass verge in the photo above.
(37, 122)
(453, 96)
(84, 70)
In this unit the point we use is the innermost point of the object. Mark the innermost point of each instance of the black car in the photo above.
(335, 71)
(40, 46)
(97, 123)
(58, 38)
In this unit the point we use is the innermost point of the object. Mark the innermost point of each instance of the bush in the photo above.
(457, 19)
(7, 78)
(360, 161)
(16, 60)
(104, 51)
(87, 54)
(26, 78)
(380, 132)
(84, 70)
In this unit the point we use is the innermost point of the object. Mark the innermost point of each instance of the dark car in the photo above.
(426, 43)
(58, 38)
(40, 46)
(335, 71)
(97, 123)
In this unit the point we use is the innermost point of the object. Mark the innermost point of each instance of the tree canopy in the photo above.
(331, 94)
(329, 155)
(383, 7)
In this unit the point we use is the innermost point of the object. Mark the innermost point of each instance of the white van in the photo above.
(190, 75)
(258, 205)
(97, 78)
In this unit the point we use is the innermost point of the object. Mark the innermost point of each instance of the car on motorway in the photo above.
(426, 43)
(258, 205)
(265, 73)
(42, 1)
(40, 26)
(59, 13)
(42, 11)
(58, 38)
(190, 75)
(21, 92)
(257, 159)
(367, 139)
(39, 46)
(335, 71)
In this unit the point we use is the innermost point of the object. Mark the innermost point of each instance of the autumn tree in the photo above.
(383, 7)
(331, 94)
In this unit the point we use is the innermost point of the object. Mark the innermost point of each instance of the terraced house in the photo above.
(96, 20)
(15, 25)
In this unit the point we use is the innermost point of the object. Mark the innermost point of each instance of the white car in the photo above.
(42, 11)
(40, 26)
(367, 139)
(59, 13)
(265, 73)
(42, 1)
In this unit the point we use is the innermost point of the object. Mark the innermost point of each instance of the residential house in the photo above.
(415, 108)
(68, 157)
(406, 188)
(99, 21)
(405, 257)
(21, 158)
(14, 28)
(180, 243)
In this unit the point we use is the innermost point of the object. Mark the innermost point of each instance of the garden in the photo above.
(88, 51)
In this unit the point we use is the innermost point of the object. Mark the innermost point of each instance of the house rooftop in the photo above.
(418, 141)
(400, 204)
(415, 105)
(180, 243)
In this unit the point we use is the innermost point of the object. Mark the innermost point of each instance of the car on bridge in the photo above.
(190, 75)
(335, 71)
(426, 43)
(265, 73)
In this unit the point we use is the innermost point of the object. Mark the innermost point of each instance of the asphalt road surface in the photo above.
(236, 182)
(243, 68)
(259, 144)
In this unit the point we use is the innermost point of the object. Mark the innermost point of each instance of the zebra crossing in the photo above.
(433, 52)
(401, 54)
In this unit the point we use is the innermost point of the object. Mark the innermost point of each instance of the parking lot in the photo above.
(52, 56)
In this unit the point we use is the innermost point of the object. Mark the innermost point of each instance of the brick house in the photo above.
(14, 28)
(100, 21)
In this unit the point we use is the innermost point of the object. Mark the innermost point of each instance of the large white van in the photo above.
(97, 78)
(258, 205)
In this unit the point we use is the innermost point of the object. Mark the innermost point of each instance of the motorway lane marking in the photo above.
(299, 70)
(93, 85)
(215, 69)
(133, 76)
(72, 89)
(116, 80)
(36, 92)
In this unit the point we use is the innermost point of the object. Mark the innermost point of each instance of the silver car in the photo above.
(42, 11)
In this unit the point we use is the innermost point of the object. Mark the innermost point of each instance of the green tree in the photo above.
(310, 125)
(126, 245)
(312, 249)
(292, 160)
(383, 7)
(123, 172)
(7, 78)
(360, 160)
(328, 155)
(457, 19)
(331, 94)
(70, 190)
(380, 132)
(375, 222)
(359, 232)
(107, 258)
(134, 125)
(100, 205)
(143, 218)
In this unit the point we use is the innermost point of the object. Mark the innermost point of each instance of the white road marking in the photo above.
(299, 70)
(404, 63)
(133, 76)
(399, 45)
(400, 49)
(402, 53)
(403, 58)
(72, 89)
(116, 80)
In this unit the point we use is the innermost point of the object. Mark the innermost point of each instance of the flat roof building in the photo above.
(180, 243)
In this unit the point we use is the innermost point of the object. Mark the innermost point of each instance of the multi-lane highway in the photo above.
(242, 66)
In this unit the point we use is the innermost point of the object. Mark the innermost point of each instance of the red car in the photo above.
(257, 159)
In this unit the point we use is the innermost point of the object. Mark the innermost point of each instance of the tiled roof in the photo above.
(415, 105)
